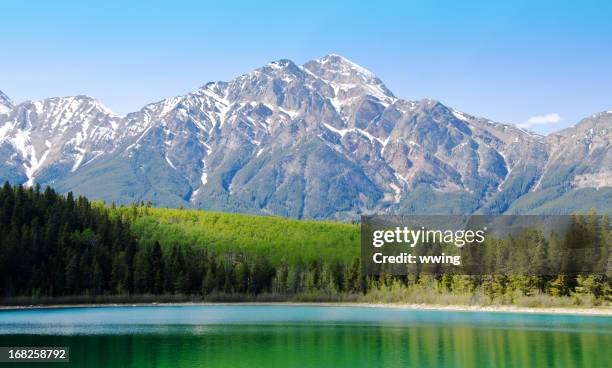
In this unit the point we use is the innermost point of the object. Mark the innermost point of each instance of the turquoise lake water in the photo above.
(308, 336)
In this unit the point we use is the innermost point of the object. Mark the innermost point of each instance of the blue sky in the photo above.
(545, 64)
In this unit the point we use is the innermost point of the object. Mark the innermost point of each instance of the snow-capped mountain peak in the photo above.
(344, 74)
(350, 84)
(325, 139)
(343, 65)
(57, 134)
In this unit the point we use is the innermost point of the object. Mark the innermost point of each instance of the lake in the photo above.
(308, 336)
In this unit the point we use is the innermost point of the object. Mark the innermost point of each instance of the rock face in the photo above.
(46, 140)
(323, 140)
(5, 103)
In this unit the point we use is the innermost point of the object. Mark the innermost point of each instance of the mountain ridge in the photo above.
(326, 139)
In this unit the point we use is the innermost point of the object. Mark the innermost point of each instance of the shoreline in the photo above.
(603, 311)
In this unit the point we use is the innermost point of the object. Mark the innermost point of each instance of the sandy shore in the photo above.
(602, 311)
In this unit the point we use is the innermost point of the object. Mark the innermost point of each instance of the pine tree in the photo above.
(156, 278)
(73, 275)
(209, 283)
(243, 275)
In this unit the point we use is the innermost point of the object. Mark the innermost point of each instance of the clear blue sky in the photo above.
(508, 61)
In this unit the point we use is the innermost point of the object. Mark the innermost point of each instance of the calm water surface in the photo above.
(302, 336)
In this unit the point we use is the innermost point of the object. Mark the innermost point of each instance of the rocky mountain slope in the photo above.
(5, 103)
(323, 140)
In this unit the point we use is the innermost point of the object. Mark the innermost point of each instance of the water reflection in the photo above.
(315, 337)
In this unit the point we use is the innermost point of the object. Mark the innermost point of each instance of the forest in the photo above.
(58, 248)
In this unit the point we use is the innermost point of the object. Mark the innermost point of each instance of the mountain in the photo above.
(578, 172)
(326, 139)
(48, 139)
(5, 103)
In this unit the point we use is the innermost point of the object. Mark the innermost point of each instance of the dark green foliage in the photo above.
(58, 246)
(55, 245)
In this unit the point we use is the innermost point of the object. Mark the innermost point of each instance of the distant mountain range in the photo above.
(323, 140)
